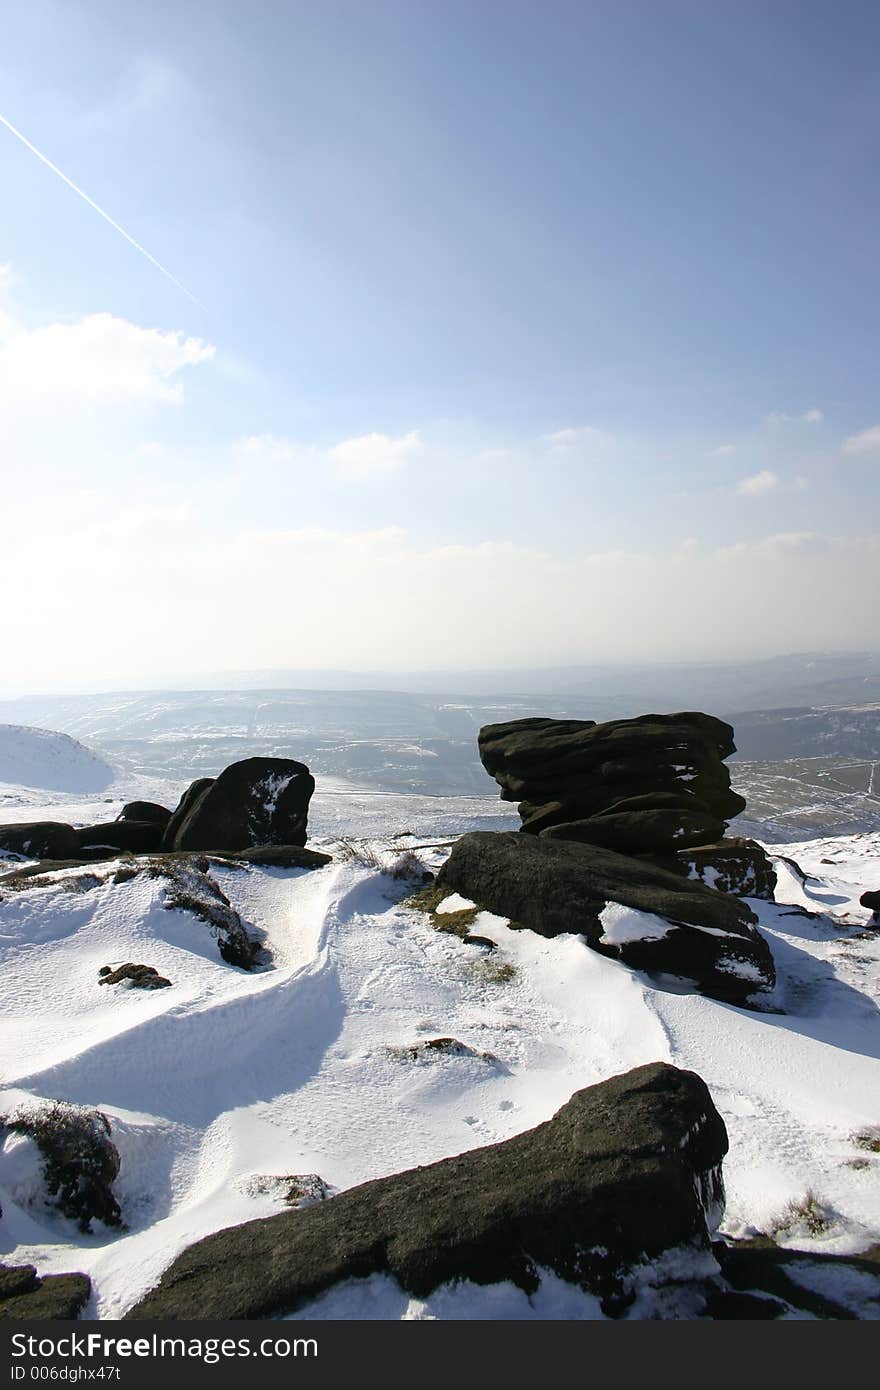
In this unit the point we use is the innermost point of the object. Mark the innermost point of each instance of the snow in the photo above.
(39, 758)
(455, 903)
(622, 924)
(229, 1079)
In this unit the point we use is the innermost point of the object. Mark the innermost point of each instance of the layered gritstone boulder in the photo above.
(654, 784)
(624, 907)
(624, 1172)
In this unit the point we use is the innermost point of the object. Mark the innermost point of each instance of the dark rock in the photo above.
(733, 865)
(137, 837)
(649, 831)
(80, 1162)
(194, 792)
(281, 857)
(871, 900)
(556, 886)
(138, 976)
(259, 801)
(40, 840)
(191, 889)
(146, 810)
(764, 1268)
(623, 1172)
(658, 782)
(23, 1295)
(16, 1279)
(726, 1305)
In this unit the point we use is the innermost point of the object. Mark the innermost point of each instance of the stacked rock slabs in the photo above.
(654, 784)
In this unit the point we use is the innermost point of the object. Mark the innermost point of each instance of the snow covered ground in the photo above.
(305, 1066)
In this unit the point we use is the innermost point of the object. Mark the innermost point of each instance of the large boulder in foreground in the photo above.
(258, 801)
(556, 886)
(624, 1171)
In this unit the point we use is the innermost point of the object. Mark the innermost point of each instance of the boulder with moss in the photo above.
(626, 1171)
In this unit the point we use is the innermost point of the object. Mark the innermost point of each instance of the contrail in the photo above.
(92, 204)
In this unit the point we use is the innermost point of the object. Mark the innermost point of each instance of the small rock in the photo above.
(137, 976)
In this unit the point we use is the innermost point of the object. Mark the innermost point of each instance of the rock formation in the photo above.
(651, 785)
(40, 840)
(633, 813)
(556, 886)
(624, 1171)
(259, 801)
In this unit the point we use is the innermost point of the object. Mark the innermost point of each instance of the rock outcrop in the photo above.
(24, 1295)
(625, 1171)
(555, 886)
(40, 840)
(259, 801)
(654, 784)
(643, 805)
(871, 900)
(733, 865)
(133, 976)
(133, 836)
(258, 804)
(145, 811)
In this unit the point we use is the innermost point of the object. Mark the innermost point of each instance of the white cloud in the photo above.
(723, 451)
(813, 416)
(764, 481)
(371, 454)
(868, 442)
(269, 448)
(571, 438)
(98, 360)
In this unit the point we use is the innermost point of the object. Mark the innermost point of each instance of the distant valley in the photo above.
(805, 771)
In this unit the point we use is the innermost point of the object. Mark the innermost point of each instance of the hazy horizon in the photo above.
(811, 671)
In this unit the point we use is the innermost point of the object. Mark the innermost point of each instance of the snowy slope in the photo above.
(51, 761)
(304, 1067)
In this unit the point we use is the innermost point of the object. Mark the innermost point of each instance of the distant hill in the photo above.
(49, 761)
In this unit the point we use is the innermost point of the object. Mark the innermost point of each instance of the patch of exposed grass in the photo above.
(868, 1139)
(454, 923)
(401, 864)
(494, 972)
(437, 1047)
(79, 1160)
(807, 1216)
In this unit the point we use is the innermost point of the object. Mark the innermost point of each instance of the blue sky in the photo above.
(525, 333)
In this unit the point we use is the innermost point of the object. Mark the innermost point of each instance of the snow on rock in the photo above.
(622, 924)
